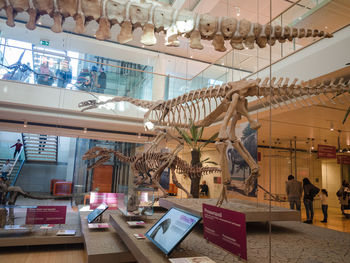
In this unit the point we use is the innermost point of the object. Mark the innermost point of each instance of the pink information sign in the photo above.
(46, 215)
(111, 199)
(225, 228)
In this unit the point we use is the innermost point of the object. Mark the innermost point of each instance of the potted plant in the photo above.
(196, 143)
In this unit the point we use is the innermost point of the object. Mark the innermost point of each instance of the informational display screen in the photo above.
(171, 229)
(96, 213)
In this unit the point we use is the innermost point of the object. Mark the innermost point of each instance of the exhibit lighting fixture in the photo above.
(139, 135)
(332, 127)
(25, 124)
(312, 146)
(85, 130)
(238, 11)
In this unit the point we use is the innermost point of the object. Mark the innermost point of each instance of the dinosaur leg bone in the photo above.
(221, 147)
(250, 161)
(223, 134)
(242, 108)
(178, 185)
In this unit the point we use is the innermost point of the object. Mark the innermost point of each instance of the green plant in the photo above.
(196, 143)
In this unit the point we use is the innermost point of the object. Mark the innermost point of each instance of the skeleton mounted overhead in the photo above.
(152, 17)
(204, 107)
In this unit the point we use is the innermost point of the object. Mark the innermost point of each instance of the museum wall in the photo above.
(7, 139)
(331, 180)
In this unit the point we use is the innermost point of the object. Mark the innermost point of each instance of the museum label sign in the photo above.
(326, 151)
(46, 215)
(225, 228)
(343, 159)
(110, 199)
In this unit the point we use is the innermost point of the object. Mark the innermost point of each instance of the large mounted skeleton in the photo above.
(150, 165)
(152, 17)
(204, 107)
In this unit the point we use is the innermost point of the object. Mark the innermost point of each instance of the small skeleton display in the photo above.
(153, 16)
(150, 165)
(205, 106)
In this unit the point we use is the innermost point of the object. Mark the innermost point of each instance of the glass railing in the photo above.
(75, 71)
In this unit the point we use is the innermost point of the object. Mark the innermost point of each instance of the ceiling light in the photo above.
(143, 46)
(139, 135)
(25, 124)
(85, 130)
(191, 56)
(332, 127)
(238, 11)
(326, 27)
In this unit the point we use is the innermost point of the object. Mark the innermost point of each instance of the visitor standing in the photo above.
(294, 190)
(310, 191)
(6, 169)
(324, 203)
(204, 188)
(18, 148)
(343, 196)
(102, 80)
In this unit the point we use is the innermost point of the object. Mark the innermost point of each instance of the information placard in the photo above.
(326, 151)
(110, 199)
(46, 215)
(225, 228)
(343, 159)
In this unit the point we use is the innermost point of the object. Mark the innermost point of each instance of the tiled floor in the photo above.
(336, 220)
(76, 254)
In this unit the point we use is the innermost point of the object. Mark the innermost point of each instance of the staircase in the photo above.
(40, 147)
(15, 169)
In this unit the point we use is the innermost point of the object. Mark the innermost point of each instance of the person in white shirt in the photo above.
(5, 169)
(324, 203)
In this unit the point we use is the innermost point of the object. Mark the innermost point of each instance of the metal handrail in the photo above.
(14, 163)
(17, 174)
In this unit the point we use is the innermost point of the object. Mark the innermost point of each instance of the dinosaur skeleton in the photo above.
(150, 165)
(153, 16)
(204, 107)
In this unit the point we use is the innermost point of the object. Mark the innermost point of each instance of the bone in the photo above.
(219, 41)
(148, 37)
(228, 27)
(185, 22)
(195, 38)
(125, 34)
(104, 28)
(242, 31)
(171, 38)
(208, 26)
(10, 17)
(162, 18)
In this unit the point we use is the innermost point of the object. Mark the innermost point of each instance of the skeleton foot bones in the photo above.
(153, 16)
(205, 106)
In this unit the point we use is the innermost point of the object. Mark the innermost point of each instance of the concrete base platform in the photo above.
(104, 245)
(291, 242)
(254, 212)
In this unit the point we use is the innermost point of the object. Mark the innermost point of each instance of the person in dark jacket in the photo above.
(18, 148)
(102, 80)
(310, 191)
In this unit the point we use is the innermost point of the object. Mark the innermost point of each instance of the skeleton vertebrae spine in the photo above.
(153, 17)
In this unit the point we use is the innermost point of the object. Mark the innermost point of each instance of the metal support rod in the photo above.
(291, 156)
(295, 159)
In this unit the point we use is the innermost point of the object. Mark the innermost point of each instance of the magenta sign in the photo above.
(110, 199)
(225, 228)
(46, 215)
